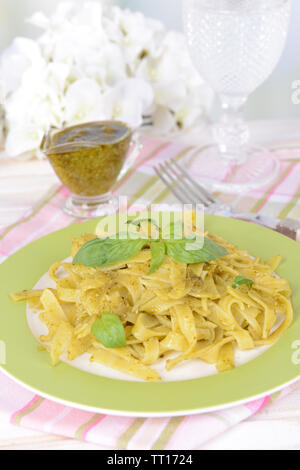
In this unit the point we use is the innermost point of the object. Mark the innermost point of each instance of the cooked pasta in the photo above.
(190, 310)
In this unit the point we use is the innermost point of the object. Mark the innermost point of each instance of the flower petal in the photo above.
(170, 93)
(84, 102)
(15, 60)
(23, 139)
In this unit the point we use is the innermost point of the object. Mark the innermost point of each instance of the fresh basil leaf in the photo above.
(108, 329)
(240, 280)
(184, 251)
(158, 251)
(103, 252)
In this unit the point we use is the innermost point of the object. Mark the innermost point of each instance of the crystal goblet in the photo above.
(235, 45)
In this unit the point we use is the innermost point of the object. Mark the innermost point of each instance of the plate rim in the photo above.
(129, 414)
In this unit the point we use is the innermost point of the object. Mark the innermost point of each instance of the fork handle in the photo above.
(288, 227)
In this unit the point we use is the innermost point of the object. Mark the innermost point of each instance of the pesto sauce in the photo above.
(88, 158)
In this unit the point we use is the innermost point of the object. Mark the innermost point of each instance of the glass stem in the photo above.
(232, 132)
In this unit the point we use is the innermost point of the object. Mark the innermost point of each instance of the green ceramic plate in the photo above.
(271, 371)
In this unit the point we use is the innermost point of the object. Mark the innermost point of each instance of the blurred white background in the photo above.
(272, 100)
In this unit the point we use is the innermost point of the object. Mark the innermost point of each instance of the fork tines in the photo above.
(182, 185)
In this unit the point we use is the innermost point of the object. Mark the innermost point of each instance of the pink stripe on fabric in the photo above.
(264, 403)
(288, 188)
(57, 220)
(149, 433)
(54, 221)
(165, 153)
(258, 405)
(288, 153)
(28, 405)
(111, 430)
(43, 414)
(195, 430)
(276, 187)
(48, 427)
(65, 192)
(148, 146)
(69, 424)
(26, 214)
(93, 425)
(15, 239)
(228, 174)
(12, 396)
(17, 234)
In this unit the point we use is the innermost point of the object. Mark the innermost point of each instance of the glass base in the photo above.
(85, 207)
(258, 168)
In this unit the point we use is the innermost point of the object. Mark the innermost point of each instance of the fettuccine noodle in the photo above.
(191, 310)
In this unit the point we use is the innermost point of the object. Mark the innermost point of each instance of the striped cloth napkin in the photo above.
(22, 407)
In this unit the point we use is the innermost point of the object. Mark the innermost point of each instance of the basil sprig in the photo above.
(240, 280)
(191, 251)
(108, 329)
(158, 251)
(104, 252)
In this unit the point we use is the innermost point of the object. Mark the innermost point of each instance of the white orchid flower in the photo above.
(40, 96)
(61, 15)
(140, 36)
(162, 69)
(173, 60)
(15, 60)
(193, 108)
(107, 67)
(74, 45)
(35, 106)
(57, 75)
(45, 78)
(84, 102)
(34, 116)
(170, 93)
(182, 112)
(23, 139)
(129, 100)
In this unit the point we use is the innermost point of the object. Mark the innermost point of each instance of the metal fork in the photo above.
(188, 191)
